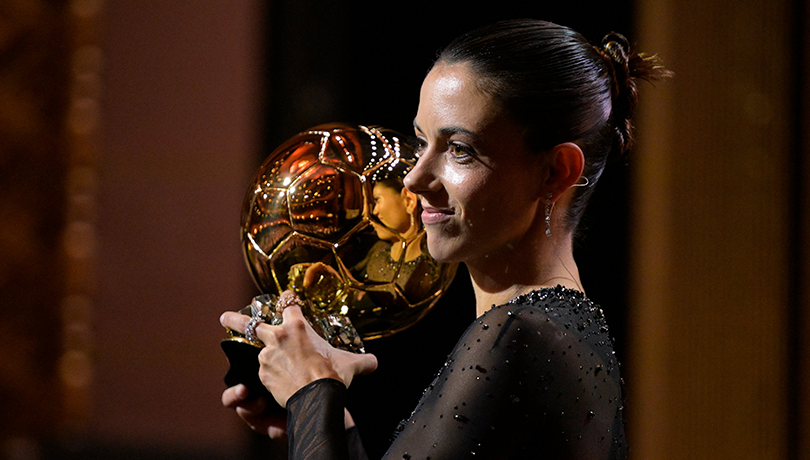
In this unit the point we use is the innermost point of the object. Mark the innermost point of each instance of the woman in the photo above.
(397, 226)
(515, 124)
(396, 208)
(401, 239)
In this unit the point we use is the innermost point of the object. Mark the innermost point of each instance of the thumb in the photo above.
(356, 364)
(366, 363)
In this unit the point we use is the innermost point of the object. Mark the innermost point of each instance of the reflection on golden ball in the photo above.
(327, 216)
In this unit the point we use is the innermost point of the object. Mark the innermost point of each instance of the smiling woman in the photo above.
(474, 173)
(515, 124)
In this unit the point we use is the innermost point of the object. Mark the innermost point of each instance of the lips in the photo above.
(432, 216)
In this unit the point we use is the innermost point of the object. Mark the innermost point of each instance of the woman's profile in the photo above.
(401, 253)
(515, 124)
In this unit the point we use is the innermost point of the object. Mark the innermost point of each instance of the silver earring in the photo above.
(582, 184)
(548, 214)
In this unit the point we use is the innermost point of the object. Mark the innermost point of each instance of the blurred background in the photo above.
(130, 130)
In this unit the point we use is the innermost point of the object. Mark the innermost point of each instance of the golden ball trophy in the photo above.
(326, 215)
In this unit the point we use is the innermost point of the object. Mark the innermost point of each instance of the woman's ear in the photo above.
(567, 164)
(409, 199)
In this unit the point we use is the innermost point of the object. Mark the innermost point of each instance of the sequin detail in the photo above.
(536, 373)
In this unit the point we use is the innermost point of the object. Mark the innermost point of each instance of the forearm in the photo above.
(315, 422)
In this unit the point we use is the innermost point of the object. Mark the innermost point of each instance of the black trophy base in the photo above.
(244, 361)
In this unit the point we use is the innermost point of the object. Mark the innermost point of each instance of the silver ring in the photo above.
(250, 329)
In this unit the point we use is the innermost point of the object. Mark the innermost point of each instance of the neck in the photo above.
(413, 247)
(499, 278)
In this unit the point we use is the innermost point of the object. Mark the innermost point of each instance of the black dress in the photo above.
(534, 378)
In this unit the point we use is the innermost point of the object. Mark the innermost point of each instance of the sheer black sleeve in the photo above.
(535, 378)
(315, 425)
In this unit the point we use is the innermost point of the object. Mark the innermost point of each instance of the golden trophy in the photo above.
(326, 215)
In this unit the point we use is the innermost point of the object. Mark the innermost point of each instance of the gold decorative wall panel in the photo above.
(33, 155)
(710, 357)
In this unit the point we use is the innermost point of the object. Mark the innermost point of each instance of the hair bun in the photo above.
(626, 68)
(615, 49)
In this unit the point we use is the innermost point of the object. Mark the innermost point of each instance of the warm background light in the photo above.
(129, 132)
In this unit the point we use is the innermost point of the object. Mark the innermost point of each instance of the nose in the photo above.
(422, 178)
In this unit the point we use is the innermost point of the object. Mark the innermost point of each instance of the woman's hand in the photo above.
(254, 412)
(295, 355)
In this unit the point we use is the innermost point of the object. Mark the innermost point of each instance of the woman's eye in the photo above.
(419, 145)
(461, 150)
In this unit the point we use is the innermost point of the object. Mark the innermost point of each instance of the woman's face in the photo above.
(389, 207)
(480, 188)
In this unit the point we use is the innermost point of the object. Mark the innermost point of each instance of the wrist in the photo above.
(338, 385)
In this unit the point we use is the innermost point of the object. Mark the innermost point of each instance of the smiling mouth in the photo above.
(432, 216)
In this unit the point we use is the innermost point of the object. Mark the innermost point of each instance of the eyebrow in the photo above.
(450, 130)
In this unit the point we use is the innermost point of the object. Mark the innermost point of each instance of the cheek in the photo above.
(473, 196)
(457, 179)
(491, 201)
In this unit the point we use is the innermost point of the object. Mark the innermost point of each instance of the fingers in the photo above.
(238, 322)
(288, 299)
(348, 420)
(252, 408)
(316, 272)
(293, 319)
(294, 355)
(312, 274)
(234, 395)
(234, 321)
(292, 311)
(277, 432)
(254, 412)
(354, 365)
(366, 363)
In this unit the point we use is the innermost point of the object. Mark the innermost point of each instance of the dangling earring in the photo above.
(548, 214)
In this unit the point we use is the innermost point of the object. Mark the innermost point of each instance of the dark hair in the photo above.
(559, 88)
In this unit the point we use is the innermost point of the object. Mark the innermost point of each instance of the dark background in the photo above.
(128, 131)
(363, 62)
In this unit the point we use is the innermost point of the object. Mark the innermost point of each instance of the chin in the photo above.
(443, 252)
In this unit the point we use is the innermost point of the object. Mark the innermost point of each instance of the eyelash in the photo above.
(457, 150)
(418, 145)
(461, 150)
